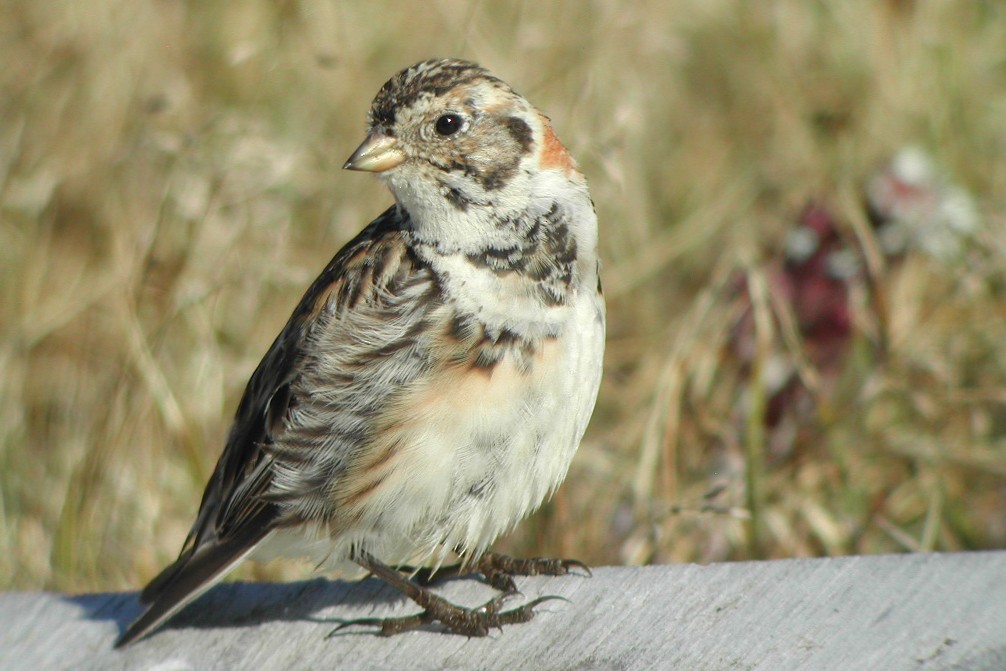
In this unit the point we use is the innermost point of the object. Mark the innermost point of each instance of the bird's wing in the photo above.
(236, 512)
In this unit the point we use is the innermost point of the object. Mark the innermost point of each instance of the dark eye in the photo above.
(448, 124)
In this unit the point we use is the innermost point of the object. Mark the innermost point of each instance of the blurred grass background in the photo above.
(170, 184)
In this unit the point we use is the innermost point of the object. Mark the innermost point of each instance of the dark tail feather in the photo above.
(187, 579)
(156, 586)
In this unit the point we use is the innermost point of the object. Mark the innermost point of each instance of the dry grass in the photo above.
(169, 185)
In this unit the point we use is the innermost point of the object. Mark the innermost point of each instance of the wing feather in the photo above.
(237, 512)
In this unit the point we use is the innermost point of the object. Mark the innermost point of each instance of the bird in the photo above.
(433, 384)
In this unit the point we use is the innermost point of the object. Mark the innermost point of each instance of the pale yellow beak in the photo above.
(378, 153)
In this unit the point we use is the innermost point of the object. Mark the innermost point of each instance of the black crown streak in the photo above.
(429, 78)
(546, 255)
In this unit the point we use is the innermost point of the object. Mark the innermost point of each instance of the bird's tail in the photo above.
(192, 574)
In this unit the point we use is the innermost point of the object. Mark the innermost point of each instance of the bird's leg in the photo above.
(498, 570)
(458, 619)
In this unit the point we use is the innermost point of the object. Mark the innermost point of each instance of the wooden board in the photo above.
(891, 613)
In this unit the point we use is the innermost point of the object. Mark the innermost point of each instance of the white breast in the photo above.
(474, 451)
(488, 448)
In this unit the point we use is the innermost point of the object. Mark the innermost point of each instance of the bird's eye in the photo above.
(448, 124)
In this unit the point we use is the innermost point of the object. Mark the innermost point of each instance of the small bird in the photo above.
(433, 384)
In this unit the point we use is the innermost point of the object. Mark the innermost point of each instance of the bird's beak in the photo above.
(379, 152)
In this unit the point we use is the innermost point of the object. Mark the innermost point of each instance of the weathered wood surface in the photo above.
(891, 613)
